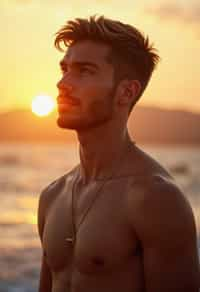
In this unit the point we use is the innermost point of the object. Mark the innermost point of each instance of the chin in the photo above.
(79, 125)
(76, 125)
(66, 124)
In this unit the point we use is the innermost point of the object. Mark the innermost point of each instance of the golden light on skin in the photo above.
(42, 105)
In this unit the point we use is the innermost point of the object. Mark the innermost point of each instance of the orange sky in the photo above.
(29, 62)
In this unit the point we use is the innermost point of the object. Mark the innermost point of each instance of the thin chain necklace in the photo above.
(72, 240)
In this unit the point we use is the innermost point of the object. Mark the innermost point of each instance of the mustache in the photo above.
(63, 99)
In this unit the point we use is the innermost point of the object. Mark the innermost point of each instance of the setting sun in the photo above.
(42, 105)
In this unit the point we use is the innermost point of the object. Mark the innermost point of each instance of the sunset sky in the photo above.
(29, 61)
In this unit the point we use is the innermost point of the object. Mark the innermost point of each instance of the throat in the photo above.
(106, 165)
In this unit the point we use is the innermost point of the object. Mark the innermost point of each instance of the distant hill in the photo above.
(24, 126)
(146, 125)
(154, 125)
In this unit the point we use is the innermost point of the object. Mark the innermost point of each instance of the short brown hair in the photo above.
(131, 53)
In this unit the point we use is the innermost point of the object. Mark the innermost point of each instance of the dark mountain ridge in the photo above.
(146, 125)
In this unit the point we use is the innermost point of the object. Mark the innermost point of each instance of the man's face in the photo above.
(86, 89)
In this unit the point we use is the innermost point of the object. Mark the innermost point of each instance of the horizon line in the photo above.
(171, 109)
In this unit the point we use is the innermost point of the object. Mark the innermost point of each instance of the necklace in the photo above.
(72, 240)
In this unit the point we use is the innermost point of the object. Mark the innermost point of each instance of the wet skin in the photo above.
(108, 254)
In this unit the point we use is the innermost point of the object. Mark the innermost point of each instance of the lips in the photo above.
(62, 100)
(66, 103)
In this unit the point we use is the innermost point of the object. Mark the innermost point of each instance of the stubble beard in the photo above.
(100, 113)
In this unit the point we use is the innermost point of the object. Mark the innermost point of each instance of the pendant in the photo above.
(70, 240)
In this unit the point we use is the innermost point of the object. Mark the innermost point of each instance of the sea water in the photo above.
(25, 169)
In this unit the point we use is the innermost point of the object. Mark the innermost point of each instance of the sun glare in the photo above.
(42, 105)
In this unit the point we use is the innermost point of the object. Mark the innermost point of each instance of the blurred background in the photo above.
(34, 151)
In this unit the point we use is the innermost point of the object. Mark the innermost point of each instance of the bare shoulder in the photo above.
(159, 211)
(162, 218)
(48, 195)
(144, 165)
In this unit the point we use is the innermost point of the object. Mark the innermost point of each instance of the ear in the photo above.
(128, 91)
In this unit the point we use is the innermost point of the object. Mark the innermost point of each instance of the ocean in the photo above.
(25, 169)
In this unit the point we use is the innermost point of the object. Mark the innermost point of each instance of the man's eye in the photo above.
(80, 70)
(63, 70)
(85, 70)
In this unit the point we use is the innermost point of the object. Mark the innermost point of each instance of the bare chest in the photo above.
(104, 238)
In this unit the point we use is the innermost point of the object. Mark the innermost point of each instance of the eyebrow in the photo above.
(79, 64)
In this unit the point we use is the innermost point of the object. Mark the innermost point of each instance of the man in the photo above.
(117, 221)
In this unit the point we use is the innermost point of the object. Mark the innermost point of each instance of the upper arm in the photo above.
(165, 225)
(46, 199)
(41, 214)
(45, 282)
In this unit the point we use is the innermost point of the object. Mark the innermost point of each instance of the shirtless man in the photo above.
(116, 222)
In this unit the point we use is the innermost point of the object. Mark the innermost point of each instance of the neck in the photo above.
(101, 153)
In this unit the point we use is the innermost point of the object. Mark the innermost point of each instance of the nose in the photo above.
(64, 84)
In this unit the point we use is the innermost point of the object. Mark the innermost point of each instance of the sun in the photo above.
(42, 105)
